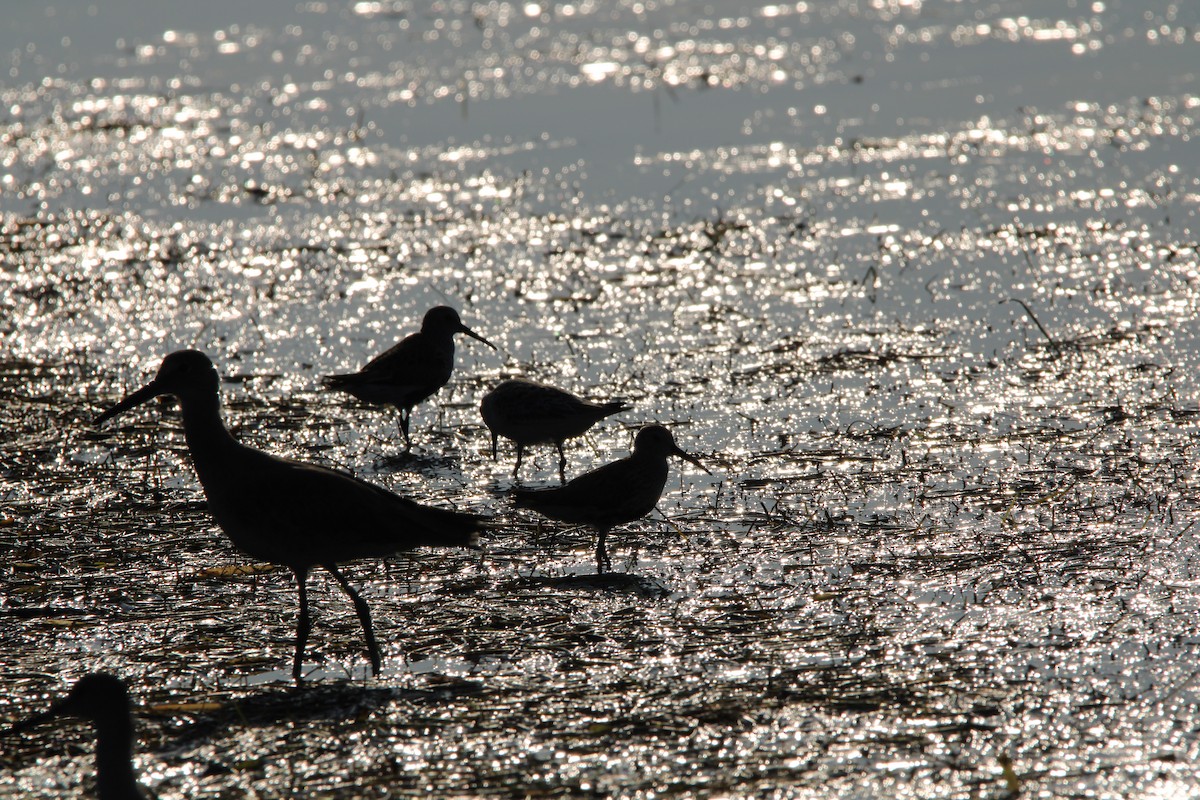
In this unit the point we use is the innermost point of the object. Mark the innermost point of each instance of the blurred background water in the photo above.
(917, 279)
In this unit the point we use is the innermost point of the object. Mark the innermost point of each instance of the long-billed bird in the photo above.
(103, 700)
(531, 413)
(613, 494)
(298, 515)
(411, 370)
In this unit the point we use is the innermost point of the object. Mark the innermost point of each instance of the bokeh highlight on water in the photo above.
(918, 281)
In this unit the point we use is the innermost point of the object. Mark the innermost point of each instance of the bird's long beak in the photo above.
(147, 392)
(691, 458)
(34, 721)
(474, 335)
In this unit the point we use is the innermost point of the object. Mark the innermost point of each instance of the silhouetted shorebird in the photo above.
(299, 515)
(614, 494)
(532, 413)
(104, 701)
(411, 370)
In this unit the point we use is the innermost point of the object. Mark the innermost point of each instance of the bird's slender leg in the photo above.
(405, 416)
(303, 625)
(562, 462)
(364, 616)
(520, 454)
(495, 436)
(603, 563)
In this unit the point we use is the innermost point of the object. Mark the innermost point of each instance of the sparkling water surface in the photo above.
(918, 281)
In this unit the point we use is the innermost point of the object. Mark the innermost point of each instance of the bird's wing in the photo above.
(295, 513)
(539, 403)
(587, 498)
(414, 355)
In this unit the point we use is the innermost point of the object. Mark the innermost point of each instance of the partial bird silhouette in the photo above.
(290, 513)
(411, 370)
(531, 413)
(103, 700)
(613, 494)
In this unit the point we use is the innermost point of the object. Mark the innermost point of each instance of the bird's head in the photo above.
(444, 321)
(184, 373)
(657, 441)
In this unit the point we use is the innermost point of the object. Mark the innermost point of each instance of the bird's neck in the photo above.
(206, 434)
(442, 341)
(652, 468)
(115, 778)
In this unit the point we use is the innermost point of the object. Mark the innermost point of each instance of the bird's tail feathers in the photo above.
(529, 498)
(446, 528)
(338, 381)
(615, 407)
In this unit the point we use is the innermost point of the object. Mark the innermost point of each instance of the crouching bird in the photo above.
(530, 413)
(298, 515)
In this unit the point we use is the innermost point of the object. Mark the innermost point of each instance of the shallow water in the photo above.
(918, 281)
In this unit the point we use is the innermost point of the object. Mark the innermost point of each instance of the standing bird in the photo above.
(411, 370)
(614, 494)
(532, 413)
(103, 700)
(298, 515)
